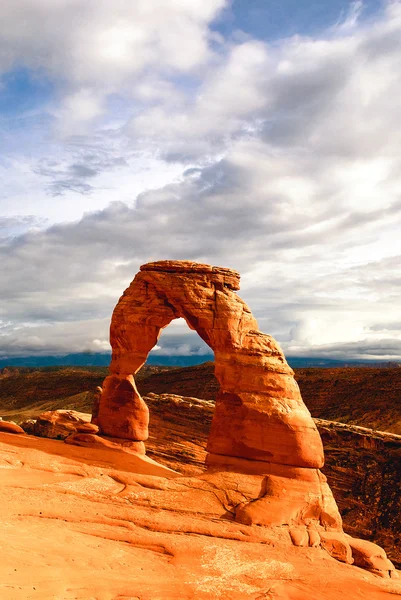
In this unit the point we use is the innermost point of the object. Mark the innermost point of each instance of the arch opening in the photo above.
(181, 344)
(185, 369)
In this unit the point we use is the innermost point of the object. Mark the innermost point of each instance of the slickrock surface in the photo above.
(89, 524)
(363, 467)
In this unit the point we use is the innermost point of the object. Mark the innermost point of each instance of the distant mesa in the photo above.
(102, 359)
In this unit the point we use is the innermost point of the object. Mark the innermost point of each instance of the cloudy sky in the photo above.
(262, 135)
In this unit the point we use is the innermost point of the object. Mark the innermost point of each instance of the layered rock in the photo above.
(363, 468)
(59, 424)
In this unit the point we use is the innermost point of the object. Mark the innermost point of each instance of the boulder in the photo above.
(59, 424)
(371, 557)
(337, 546)
(87, 428)
(96, 403)
(91, 440)
(10, 427)
(28, 426)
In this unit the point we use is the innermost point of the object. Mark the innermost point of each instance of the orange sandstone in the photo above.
(259, 412)
(142, 531)
(264, 449)
(10, 427)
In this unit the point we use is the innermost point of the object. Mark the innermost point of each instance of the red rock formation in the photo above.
(259, 412)
(10, 427)
(59, 424)
(263, 446)
(96, 403)
(102, 523)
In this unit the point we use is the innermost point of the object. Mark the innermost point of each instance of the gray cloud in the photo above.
(71, 271)
(83, 162)
(15, 225)
(58, 338)
(387, 348)
(382, 327)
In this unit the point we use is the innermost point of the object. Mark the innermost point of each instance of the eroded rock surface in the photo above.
(59, 424)
(260, 423)
(363, 468)
(151, 535)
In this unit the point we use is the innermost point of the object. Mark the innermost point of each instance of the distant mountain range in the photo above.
(84, 359)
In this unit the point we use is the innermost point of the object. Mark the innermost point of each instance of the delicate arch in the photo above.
(259, 411)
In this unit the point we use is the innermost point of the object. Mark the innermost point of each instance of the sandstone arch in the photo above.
(259, 411)
(264, 449)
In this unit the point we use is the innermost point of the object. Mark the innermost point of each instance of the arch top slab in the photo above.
(259, 411)
(228, 277)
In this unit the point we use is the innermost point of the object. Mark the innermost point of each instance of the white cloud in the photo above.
(84, 176)
(295, 177)
(62, 337)
(333, 97)
(299, 256)
(93, 48)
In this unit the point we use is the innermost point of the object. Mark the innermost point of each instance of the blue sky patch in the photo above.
(273, 19)
(22, 90)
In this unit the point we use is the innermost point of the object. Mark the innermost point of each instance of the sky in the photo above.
(261, 135)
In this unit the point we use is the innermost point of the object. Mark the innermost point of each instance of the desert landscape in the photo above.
(229, 426)
(231, 498)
